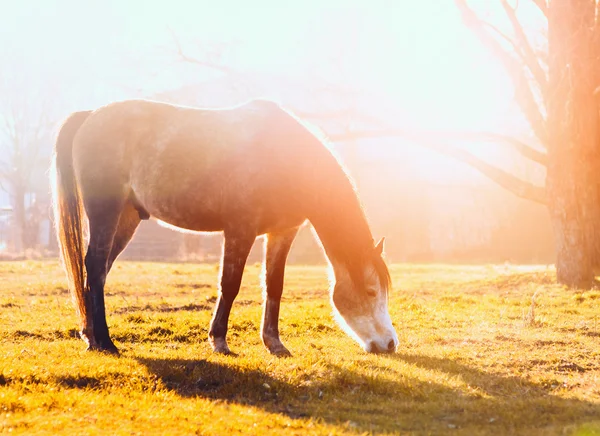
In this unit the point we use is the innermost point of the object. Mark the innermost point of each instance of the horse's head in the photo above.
(360, 299)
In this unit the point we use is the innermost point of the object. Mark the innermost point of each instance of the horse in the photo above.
(248, 170)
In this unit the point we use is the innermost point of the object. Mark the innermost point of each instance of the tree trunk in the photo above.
(572, 125)
(19, 220)
(52, 239)
(571, 226)
(594, 235)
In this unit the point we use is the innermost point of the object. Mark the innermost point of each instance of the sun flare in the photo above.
(358, 66)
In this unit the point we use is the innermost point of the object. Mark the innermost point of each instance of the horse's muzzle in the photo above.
(375, 347)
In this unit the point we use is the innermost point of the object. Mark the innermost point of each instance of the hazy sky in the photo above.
(416, 51)
(415, 54)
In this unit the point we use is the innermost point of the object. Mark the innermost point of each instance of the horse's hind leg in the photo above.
(129, 220)
(236, 248)
(103, 215)
(277, 248)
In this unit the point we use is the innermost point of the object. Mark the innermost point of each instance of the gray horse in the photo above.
(247, 171)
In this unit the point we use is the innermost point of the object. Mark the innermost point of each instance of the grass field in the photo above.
(475, 356)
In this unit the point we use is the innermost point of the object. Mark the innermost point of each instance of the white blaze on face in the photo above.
(362, 311)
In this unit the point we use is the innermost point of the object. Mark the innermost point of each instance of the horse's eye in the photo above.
(371, 292)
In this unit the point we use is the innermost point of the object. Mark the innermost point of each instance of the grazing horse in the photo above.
(248, 170)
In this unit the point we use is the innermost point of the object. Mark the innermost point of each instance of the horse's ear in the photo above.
(379, 246)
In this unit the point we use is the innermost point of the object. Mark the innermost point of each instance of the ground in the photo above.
(483, 350)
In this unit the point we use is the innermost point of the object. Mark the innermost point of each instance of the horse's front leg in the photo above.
(235, 252)
(277, 248)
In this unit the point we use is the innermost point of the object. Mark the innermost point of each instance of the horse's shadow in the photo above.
(368, 403)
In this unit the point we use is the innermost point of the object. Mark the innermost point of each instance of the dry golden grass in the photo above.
(474, 357)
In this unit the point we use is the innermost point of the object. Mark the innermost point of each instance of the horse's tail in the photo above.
(68, 210)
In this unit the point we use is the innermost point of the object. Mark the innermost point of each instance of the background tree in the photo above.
(556, 84)
(25, 139)
(555, 88)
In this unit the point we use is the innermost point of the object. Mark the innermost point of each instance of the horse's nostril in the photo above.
(374, 347)
(391, 345)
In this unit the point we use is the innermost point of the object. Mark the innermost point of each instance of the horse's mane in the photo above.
(344, 197)
(383, 272)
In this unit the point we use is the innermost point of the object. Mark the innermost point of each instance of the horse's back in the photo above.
(201, 168)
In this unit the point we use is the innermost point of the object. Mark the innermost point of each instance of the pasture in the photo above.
(476, 356)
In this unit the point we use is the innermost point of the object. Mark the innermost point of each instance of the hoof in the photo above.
(220, 346)
(280, 351)
(222, 350)
(276, 348)
(108, 349)
(104, 345)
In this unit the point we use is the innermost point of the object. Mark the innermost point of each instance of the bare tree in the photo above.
(25, 132)
(555, 88)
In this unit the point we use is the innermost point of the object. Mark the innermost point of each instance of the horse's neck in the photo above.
(340, 223)
(333, 206)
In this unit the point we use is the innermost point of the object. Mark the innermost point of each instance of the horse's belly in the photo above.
(207, 216)
(208, 222)
(189, 219)
(210, 202)
(279, 222)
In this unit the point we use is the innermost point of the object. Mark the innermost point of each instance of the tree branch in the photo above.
(506, 180)
(524, 94)
(542, 6)
(5, 176)
(519, 146)
(528, 55)
(504, 36)
(202, 63)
